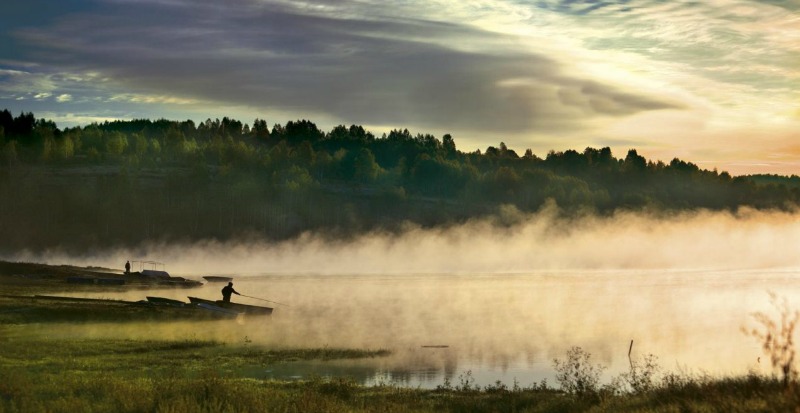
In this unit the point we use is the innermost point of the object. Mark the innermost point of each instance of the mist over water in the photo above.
(505, 295)
(499, 327)
(510, 242)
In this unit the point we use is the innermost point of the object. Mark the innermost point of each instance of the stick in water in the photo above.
(629, 354)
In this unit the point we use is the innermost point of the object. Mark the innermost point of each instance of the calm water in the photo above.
(505, 327)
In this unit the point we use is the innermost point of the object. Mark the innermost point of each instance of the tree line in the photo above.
(124, 182)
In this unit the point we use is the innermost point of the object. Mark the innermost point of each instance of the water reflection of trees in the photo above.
(429, 366)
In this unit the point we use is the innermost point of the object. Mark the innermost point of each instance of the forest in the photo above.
(123, 183)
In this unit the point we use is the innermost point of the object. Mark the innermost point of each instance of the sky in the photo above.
(713, 82)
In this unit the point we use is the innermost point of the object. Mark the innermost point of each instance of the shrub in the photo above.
(777, 338)
(576, 374)
(641, 377)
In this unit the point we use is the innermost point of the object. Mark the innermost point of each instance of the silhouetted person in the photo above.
(227, 291)
(127, 267)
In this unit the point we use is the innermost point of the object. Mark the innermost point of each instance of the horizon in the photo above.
(715, 83)
(518, 151)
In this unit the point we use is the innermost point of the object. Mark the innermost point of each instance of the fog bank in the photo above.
(510, 242)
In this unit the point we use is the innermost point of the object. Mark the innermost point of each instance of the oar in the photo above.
(269, 301)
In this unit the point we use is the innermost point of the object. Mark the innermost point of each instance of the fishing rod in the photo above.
(269, 301)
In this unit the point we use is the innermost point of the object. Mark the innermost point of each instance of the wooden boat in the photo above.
(218, 310)
(157, 274)
(217, 279)
(243, 308)
(84, 300)
(165, 301)
(101, 305)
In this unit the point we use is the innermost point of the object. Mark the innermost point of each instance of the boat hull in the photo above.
(218, 310)
(165, 301)
(243, 308)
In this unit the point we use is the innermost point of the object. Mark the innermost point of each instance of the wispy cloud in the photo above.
(142, 98)
(333, 58)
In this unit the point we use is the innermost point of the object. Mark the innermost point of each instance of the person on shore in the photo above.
(227, 291)
(127, 267)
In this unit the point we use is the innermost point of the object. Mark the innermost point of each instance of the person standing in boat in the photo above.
(227, 291)
(127, 267)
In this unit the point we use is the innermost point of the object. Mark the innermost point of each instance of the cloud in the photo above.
(24, 82)
(74, 118)
(7, 73)
(141, 98)
(333, 59)
(64, 97)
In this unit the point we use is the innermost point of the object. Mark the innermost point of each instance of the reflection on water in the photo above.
(505, 327)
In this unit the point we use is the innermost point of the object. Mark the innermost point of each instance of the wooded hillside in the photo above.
(124, 182)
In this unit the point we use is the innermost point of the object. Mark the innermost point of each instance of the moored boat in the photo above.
(156, 275)
(218, 310)
(243, 308)
(165, 301)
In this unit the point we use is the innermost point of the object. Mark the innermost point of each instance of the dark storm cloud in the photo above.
(371, 70)
(18, 14)
(791, 5)
(582, 7)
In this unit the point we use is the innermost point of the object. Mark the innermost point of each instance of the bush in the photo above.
(777, 338)
(576, 374)
(641, 377)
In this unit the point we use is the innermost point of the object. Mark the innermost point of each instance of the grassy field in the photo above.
(100, 375)
(41, 371)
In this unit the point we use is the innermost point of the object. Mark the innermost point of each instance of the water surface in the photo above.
(506, 327)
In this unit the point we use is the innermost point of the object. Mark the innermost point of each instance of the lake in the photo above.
(506, 327)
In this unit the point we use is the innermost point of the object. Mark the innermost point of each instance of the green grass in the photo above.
(102, 391)
(106, 375)
(147, 358)
(42, 374)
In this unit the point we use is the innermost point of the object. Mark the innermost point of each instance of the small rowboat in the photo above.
(218, 310)
(217, 279)
(242, 308)
(165, 301)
